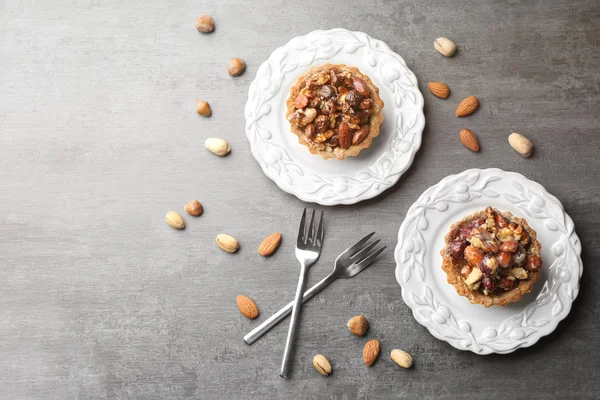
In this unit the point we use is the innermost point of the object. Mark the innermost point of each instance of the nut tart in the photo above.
(335, 110)
(491, 257)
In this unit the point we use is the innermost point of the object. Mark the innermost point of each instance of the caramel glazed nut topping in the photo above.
(334, 108)
(498, 253)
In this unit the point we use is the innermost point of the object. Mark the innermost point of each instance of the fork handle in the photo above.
(280, 315)
(291, 337)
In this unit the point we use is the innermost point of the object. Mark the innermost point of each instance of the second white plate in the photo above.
(329, 182)
(435, 303)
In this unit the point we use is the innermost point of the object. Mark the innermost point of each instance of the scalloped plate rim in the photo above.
(307, 197)
(553, 322)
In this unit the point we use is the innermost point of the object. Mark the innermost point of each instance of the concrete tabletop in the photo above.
(99, 138)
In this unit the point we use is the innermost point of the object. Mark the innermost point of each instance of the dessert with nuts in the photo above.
(492, 257)
(335, 110)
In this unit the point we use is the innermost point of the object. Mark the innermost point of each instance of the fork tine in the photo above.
(301, 230)
(311, 229)
(320, 231)
(356, 246)
(370, 258)
(363, 252)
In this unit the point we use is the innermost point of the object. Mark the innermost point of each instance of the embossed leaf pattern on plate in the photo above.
(281, 165)
(523, 328)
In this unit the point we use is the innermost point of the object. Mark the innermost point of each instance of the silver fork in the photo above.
(352, 261)
(308, 250)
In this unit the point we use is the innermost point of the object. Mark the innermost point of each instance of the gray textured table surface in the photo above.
(99, 298)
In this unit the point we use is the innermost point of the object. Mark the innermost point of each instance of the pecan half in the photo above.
(344, 136)
(361, 134)
(301, 101)
(361, 87)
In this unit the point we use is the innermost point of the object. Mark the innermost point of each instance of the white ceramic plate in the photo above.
(435, 303)
(308, 176)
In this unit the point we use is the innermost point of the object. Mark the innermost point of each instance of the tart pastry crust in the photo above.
(331, 148)
(453, 265)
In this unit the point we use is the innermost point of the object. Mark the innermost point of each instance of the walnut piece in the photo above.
(474, 277)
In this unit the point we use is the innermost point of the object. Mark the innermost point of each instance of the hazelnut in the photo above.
(194, 208)
(203, 108)
(236, 66)
(205, 24)
(358, 325)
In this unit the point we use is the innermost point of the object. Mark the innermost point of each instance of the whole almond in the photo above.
(371, 351)
(227, 243)
(194, 208)
(468, 138)
(247, 307)
(520, 144)
(217, 146)
(174, 220)
(358, 325)
(203, 108)
(444, 46)
(402, 358)
(321, 363)
(205, 24)
(467, 107)
(270, 244)
(439, 89)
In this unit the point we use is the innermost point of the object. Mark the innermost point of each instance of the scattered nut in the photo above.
(194, 208)
(247, 307)
(371, 351)
(321, 363)
(468, 138)
(174, 220)
(217, 146)
(445, 47)
(236, 66)
(402, 358)
(227, 243)
(205, 24)
(269, 245)
(467, 107)
(520, 144)
(438, 89)
(358, 325)
(203, 108)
